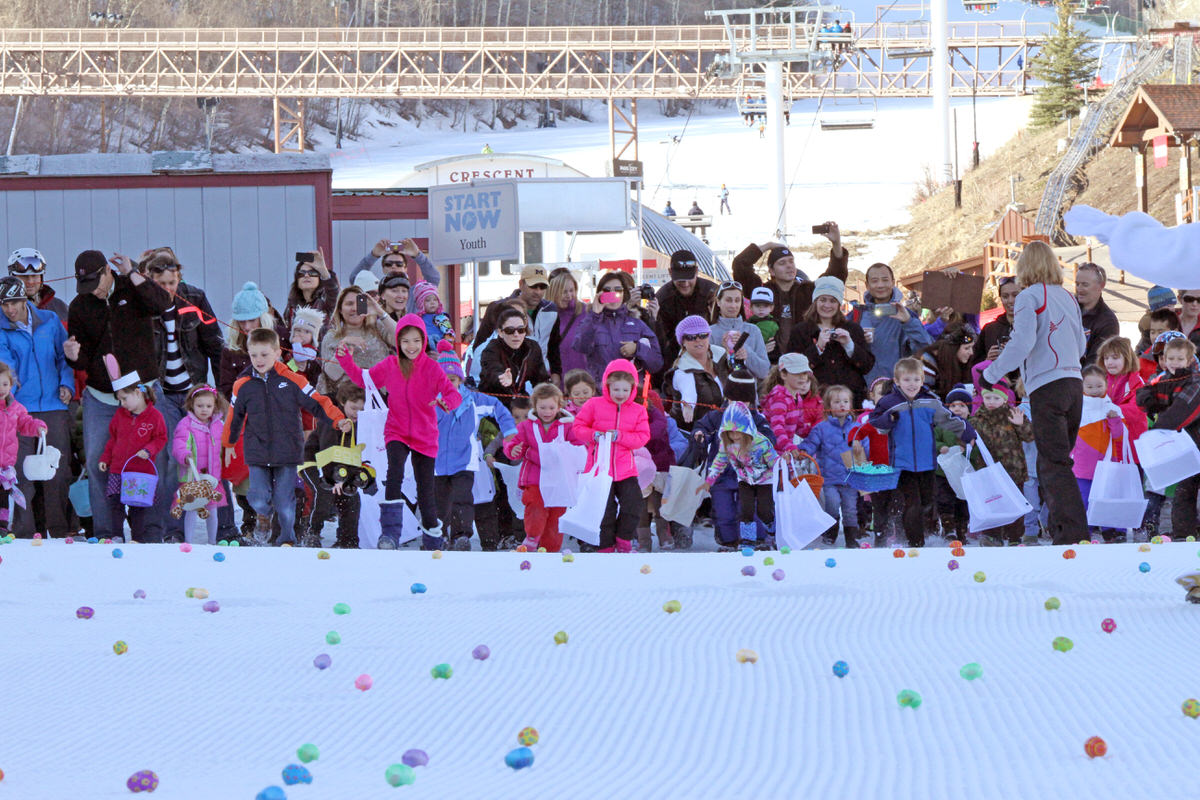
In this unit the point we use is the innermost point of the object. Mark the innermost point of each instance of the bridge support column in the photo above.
(289, 125)
(774, 90)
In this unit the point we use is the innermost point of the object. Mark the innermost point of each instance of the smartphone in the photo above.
(395, 246)
(823, 228)
(884, 309)
(360, 305)
(609, 297)
(740, 343)
(304, 258)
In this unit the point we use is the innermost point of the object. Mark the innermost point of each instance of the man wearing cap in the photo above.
(31, 343)
(28, 265)
(791, 287)
(1099, 321)
(686, 295)
(399, 260)
(113, 313)
(531, 291)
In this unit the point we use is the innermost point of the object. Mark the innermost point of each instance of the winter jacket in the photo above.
(756, 350)
(875, 441)
(207, 441)
(826, 443)
(526, 362)
(910, 424)
(1047, 340)
(1003, 440)
(701, 452)
(1099, 325)
(834, 365)
(457, 428)
(37, 360)
(429, 273)
(563, 356)
(542, 321)
(46, 301)
(753, 465)
(942, 439)
(121, 325)
(602, 414)
(128, 434)
(268, 408)
(233, 364)
(15, 421)
(768, 326)
(198, 332)
(893, 340)
(673, 307)
(531, 431)
(410, 418)
(791, 416)
(324, 299)
(437, 327)
(1175, 399)
(689, 383)
(1122, 390)
(378, 344)
(659, 445)
(601, 336)
(1097, 432)
(790, 305)
(991, 335)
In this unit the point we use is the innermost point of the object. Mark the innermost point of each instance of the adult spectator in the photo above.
(31, 343)
(1099, 321)
(892, 331)
(250, 310)
(728, 325)
(400, 258)
(512, 363)
(835, 346)
(188, 339)
(28, 265)
(948, 361)
(686, 295)
(314, 286)
(373, 335)
(564, 294)
(393, 295)
(792, 289)
(1048, 345)
(695, 381)
(541, 313)
(695, 210)
(1189, 315)
(996, 333)
(487, 332)
(112, 313)
(669, 211)
(610, 330)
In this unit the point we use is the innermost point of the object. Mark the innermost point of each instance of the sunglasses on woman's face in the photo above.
(308, 273)
(694, 337)
(513, 331)
(1187, 298)
(159, 269)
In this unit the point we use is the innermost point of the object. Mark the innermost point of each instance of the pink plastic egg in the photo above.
(363, 682)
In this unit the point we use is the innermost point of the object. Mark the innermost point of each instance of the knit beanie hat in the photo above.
(1160, 297)
(366, 281)
(691, 326)
(309, 320)
(829, 286)
(1000, 389)
(422, 290)
(959, 394)
(741, 387)
(776, 253)
(249, 303)
(447, 360)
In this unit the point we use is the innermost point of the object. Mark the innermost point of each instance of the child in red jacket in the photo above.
(137, 432)
(616, 411)
(14, 419)
(544, 425)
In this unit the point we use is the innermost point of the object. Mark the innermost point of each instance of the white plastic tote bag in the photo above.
(582, 520)
(483, 490)
(510, 473)
(799, 518)
(992, 497)
(562, 462)
(1117, 499)
(371, 422)
(680, 496)
(1167, 457)
(955, 464)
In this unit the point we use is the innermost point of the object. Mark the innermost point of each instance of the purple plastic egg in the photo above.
(143, 780)
(749, 571)
(778, 574)
(525, 565)
(140, 594)
(415, 758)
(212, 606)
(84, 612)
(322, 661)
(481, 653)
(952, 565)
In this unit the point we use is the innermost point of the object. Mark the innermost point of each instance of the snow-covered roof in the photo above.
(198, 162)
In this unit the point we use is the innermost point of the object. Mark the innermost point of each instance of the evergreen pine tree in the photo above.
(1064, 62)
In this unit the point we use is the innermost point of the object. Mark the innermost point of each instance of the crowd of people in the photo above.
(138, 384)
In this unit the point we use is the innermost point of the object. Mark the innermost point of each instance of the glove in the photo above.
(968, 435)
(984, 383)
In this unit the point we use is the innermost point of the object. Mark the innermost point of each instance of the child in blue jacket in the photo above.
(826, 443)
(909, 414)
(454, 467)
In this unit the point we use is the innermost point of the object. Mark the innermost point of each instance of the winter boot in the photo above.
(310, 539)
(829, 537)
(346, 541)
(432, 538)
(461, 543)
(666, 533)
(851, 535)
(643, 540)
(391, 523)
(262, 530)
(624, 545)
(682, 535)
(748, 531)
(768, 540)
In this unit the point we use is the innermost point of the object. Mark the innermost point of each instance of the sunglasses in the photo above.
(395, 264)
(159, 269)
(308, 273)
(514, 331)
(694, 337)
(729, 285)
(1187, 298)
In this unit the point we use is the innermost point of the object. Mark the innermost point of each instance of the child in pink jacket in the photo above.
(615, 410)
(14, 419)
(198, 435)
(543, 425)
(792, 402)
(415, 384)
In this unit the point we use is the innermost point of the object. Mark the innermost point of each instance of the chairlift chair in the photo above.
(848, 120)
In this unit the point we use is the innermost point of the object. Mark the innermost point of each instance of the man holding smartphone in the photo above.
(398, 259)
(892, 332)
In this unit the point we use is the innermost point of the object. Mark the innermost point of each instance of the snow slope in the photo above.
(639, 703)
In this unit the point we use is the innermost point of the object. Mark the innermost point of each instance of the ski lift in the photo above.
(853, 116)
(982, 6)
(752, 98)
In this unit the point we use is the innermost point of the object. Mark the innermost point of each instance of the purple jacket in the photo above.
(660, 443)
(563, 355)
(601, 335)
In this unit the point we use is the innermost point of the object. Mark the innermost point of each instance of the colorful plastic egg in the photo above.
(116, 553)
(672, 607)
(1156, 540)
(341, 609)
(399, 775)
(322, 661)
(958, 552)
(323, 555)
(519, 758)
(522, 548)
(748, 552)
(560, 637)
(185, 548)
(525, 565)
(271, 793)
(442, 671)
(415, 758)
(212, 606)
(785, 550)
(980, 576)
(909, 699)
(914, 553)
(120, 648)
(970, 671)
(527, 736)
(84, 612)
(1068, 554)
(768, 562)
(956, 543)
(417, 588)
(294, 773)
(333, 637)
(363, 682)
(542, 550)
(897, 553)
(952, 565)
(1144, 567)
(831, 562)
(1108, 625)
(841, 669)
(746, 656)
(218, 557)
(143, 780)
(1062, 644)
(568, 557)
(645, 569)
(308, 752)
(1095, 747)
(1191, 708)
(1052, 604)
(749, 571)
(1143, 548)
(481, 653)
(436, 554)
(139, 594)
(778, 575)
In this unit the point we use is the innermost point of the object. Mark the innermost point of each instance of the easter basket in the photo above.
(137, 488)
(873, 477)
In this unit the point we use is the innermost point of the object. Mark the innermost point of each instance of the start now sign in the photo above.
(473, 223)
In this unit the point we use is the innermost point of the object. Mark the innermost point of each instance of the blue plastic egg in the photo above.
(271, 793)
(220, 557)
(519, 758)
(1144, 567)
(831, 562)
(840, 668)
(748, 552)
(294, 773)
(417, 588)
(116, 553)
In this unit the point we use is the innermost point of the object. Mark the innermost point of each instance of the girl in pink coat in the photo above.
(415, 384)
(198, 435)
(14, 419)
(615, 410)
(543, 425)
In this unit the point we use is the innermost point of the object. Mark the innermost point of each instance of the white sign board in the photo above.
(575, 204)
(473, 223)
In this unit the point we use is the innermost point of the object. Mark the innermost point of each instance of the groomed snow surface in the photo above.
(638, 703)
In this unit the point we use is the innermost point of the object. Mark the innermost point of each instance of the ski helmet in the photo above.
(11, 288)
(26, 261)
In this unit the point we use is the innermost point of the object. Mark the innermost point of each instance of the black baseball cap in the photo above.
(683, 265)
(89, 266)
(392, 281)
